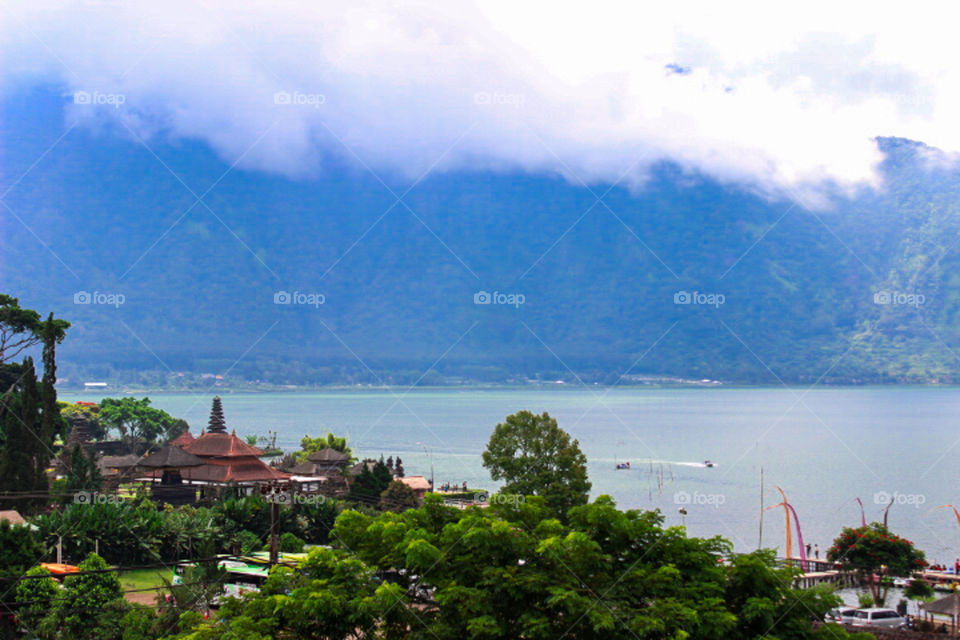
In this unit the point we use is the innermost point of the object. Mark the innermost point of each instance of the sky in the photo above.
(781, 99)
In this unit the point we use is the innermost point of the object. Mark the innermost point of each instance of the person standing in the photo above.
(808, 549)
(816, 551)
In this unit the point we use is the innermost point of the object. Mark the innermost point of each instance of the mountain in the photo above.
(864, 290)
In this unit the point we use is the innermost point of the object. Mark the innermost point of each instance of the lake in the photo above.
(824, 447)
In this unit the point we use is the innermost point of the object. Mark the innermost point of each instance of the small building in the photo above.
(419, 484)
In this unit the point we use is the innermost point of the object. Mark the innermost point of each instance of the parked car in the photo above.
(842, 615)
(876, 617)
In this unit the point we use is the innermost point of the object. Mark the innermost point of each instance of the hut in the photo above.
(170, 462)
(948, 606)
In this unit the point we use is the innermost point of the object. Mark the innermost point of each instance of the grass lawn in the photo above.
(144, 578)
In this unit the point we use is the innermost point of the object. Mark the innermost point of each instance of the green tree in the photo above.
(26, 449)
(52, 332)
(87, 597)
(37, 596)
(19, 328)
(84, 474)
(368, 485)
(398, 497)
(534, 456)
(137, 420)
(19, 549)
(875, 554)
(331, 596)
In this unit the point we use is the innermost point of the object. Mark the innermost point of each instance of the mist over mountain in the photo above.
(343, 277)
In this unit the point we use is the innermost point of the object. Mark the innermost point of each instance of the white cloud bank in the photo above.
(764, 95)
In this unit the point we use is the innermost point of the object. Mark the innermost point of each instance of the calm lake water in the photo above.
(824, 447)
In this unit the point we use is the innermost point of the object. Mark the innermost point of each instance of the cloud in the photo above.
(779, 99)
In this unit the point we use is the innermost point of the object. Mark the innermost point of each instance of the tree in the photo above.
(534, 456)
(19, 549)
(19, 328)
(88, 595)
(26, 449)
(331, 596)
(84, 474)
(137, 420)
(874, 553)
(398, 497)
(36, 596)
(52, 332)
(370, 484)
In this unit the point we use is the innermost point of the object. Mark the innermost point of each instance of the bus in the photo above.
(241, 577)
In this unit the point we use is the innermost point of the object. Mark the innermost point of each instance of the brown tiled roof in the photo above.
(221, 445)
(183, 439)
(233, 470)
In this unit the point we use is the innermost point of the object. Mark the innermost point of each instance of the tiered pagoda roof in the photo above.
(227, 458)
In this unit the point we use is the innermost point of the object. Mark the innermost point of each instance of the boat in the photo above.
(707, 463)
(623, 465)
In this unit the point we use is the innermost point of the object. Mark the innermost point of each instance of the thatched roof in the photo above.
(119, 462)
(949, 606)
(329, 456)
(171, 457)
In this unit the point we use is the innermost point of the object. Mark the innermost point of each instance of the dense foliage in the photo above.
(512, 572)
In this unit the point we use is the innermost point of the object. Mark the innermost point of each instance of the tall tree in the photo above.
(52, 332)
(534, 456)
(27, 450)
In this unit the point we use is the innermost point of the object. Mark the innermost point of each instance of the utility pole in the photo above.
(760, 541)
(429, 453)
